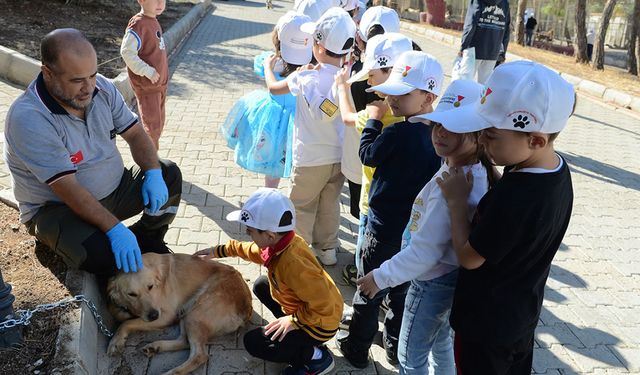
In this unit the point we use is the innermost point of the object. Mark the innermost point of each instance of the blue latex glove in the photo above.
(154, 190)
(125, 248)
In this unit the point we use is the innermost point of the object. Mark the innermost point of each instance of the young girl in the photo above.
(259, 126)
(427, 257)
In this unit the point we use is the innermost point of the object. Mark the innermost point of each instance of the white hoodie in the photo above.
(427, 251)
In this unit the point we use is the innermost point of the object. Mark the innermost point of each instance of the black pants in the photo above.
(364, 322)
(475, 357)
(295, 349)
(354, 199)
(83, 246)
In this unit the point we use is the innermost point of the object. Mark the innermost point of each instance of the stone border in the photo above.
(604, 93)
(79, 338)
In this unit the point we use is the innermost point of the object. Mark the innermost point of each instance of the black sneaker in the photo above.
(149, 243)
(350, 274)
(356, 359)
(392, 357)
(320, 366)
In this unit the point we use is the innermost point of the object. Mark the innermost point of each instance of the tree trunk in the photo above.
(581, 32)
(522, 6)
(603, 25)
(634, 40)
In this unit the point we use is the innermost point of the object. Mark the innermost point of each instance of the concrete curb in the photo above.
(599, 91)
(20, 69)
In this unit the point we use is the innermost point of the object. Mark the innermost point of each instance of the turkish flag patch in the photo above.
(77, 157)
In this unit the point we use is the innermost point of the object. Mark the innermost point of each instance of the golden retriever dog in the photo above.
(207, 297)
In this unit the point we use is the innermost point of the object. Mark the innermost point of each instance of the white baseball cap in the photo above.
(335, 30)
(459, 94)
(381, 52)
(264, 209)
(522, 96)
(295, 44)
(412, 70)
(379, 15)
(362, 7)
(349, 4)
(316, 8)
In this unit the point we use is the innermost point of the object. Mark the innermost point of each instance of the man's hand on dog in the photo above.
(279, 327)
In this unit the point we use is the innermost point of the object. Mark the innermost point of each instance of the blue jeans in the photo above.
(361, 226)
(425, 345)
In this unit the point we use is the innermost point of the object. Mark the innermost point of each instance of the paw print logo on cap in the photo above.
(382, 61)
(431, 83)
(244, 216)
(521, 121)
(319, 36)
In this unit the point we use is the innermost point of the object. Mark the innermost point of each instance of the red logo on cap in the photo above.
(406, 70)
(487, 92)
(77, 157)
(457, 102)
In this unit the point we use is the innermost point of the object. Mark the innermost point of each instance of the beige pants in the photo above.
(315, 193)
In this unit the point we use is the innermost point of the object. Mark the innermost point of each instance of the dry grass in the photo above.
(611, 77)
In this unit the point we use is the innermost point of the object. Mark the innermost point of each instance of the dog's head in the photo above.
(139, 294)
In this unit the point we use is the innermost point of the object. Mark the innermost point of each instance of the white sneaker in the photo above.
(327, 256)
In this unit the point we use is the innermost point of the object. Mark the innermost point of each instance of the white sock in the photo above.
(317, 353)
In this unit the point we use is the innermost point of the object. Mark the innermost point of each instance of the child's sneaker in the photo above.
(350, 274)
(327, 256)
(321, 366)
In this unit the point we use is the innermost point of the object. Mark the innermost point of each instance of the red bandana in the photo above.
(269, 252)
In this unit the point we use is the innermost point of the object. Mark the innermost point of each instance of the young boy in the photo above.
(506, 252)
(379, 57)
(405, 161)
(143, 50)
(297, 290)
(317, 135)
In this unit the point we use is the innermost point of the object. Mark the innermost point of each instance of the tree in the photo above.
(634, 41)
(522, 6)
(603, 25)
(581, 32)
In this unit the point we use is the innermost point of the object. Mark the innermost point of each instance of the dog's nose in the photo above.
(153, 315)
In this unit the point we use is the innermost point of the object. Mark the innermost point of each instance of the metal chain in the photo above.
(25, 315)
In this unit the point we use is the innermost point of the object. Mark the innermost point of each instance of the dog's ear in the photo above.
(163, 270)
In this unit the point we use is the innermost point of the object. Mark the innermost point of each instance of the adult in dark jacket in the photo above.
(486, 27)
(529, 27)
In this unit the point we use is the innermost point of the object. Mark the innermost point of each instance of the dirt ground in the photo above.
(25, 22)
(36, 276)
(611, 76)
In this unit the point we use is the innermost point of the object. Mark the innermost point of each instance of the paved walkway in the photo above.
(590, 322)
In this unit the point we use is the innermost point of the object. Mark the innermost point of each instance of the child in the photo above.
(317, 147)
(427, 258)
(143, 50)
(405, 161)
(259, 127)
(381, 53)
(297, 290)
(505, 253)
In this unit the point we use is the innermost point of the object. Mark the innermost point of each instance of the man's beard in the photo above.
(57, 93)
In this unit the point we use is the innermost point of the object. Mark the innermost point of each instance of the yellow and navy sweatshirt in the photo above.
(304, 290)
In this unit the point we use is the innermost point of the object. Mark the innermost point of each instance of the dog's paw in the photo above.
(116, 345)
(150, 350)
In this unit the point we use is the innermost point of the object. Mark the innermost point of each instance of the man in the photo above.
(486, 28)
(68, 175)
(530, 27)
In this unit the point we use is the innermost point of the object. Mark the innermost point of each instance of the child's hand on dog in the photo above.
(279, 327)
(204, 253)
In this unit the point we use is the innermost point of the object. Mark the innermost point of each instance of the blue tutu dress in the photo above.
(259, 128)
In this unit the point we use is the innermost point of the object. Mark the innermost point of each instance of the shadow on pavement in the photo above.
(602, 171)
